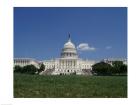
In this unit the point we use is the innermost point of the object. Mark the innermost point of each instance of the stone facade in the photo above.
(111, 60)
(26, 61)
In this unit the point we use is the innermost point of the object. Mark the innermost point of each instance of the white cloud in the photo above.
(108, 47)
(85, 47)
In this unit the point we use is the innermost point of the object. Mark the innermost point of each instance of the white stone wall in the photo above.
(49, 64)
(25, 61)
(111, 60)
(67, 66)
(87, 64)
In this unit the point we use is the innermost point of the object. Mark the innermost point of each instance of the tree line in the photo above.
(116, 68)
(101, 68)
(29, 69)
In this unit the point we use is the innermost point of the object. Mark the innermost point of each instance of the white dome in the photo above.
(69, 44)
(69, 50)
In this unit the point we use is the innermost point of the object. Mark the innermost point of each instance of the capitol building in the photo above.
(68, 63)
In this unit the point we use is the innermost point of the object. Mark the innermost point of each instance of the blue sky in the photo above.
(97, 32)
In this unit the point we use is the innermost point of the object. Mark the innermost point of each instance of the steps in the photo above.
(47, 72)
(86, 71)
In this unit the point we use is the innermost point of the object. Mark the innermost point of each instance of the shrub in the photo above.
(102, 68)
(17, 69)
(29, 69)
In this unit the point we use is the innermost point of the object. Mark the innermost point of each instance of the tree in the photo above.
(123, 69)
(117, 67)
(29, 69)
(42, 68)
(17, 69)
(102, 68)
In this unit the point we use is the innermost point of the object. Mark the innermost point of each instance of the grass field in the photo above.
(36, 86)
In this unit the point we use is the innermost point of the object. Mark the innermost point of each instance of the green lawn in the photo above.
(36, 86)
